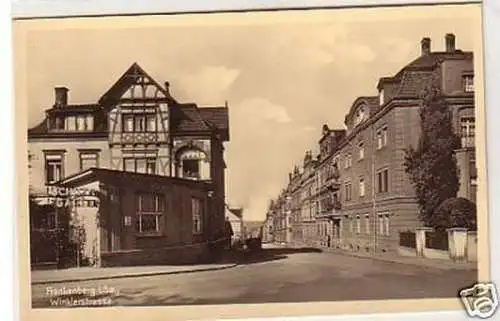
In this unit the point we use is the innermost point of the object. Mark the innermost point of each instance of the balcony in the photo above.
(331, 183)
(329, 209)
(333, 175)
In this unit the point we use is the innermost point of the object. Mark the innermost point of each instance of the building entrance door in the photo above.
(336, 229)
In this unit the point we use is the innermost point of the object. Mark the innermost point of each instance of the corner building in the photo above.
(138, 130)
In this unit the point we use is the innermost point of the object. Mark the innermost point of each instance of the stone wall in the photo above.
(472, 246)
(157, 256)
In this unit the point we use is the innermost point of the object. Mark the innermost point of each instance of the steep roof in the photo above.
(413, 82)
(184, 118)
(187, 118)
(217, 116)
(411, 77)
(436, 57)
(41, 131)
(127, 79)
(237, 211)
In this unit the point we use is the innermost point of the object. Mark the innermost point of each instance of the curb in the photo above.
(424, 266)
(134, 275)
(382, 259)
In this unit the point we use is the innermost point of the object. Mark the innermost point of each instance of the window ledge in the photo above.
(150, 234)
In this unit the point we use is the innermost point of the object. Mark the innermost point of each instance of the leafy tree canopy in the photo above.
(456, 212)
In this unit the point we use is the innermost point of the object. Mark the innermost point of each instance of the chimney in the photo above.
(167, 87)
(61, 96)
(450, 42)
(290, 176)
(425, 45)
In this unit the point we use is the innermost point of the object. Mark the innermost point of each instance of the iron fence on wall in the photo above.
(437, 240)
(407, 239)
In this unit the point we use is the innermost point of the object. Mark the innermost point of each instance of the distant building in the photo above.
(134, 130)
(355, 193)
(268, 228)
(253, 229)
(280, 216)
(235, 218)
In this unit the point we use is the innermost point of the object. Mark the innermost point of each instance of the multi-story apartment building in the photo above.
(295, 192)
(136, 127)
(377, 199)
(308, 203)
(281, 214)
(267, 229)
(328, 194)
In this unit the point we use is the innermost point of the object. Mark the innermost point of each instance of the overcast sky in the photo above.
(282, 80)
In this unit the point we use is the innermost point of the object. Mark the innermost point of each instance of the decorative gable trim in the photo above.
(135, 78)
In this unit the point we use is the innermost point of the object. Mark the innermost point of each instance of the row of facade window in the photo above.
(150, 213)
(355, 225)
(85, 123)
(79, 123)
(54, 165)
(139, 123)
(468, 82)
(381, 141)
(383, 225)
(467, 131)
(382, 185)
(467, 134)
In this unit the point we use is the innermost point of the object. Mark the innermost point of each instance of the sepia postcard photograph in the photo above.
(258, 163)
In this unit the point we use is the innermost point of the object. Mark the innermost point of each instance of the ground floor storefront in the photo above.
(138, 219)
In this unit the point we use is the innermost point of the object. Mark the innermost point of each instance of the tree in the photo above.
(43, 243)
(62, 243)
(432, 167)
(456, 212)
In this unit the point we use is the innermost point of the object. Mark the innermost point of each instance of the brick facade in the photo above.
(373, 196)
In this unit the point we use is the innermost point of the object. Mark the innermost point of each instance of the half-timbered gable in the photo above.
(135, 126)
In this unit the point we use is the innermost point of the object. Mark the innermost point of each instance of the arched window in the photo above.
(192, 164)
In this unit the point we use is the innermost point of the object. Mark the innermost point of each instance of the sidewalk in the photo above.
(91, 273)
(400, 259)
